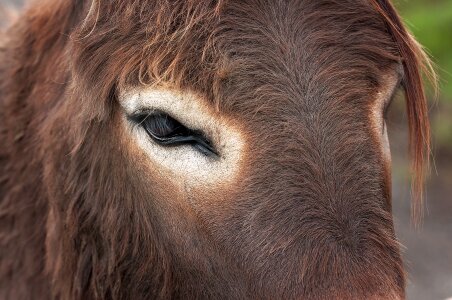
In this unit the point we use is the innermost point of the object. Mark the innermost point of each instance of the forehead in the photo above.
(288, 54)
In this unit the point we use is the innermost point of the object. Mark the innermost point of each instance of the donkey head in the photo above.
(224, 149)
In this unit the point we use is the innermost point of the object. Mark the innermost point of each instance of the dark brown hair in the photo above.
(84, 214)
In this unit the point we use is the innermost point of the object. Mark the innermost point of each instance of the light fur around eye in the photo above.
(185, 161)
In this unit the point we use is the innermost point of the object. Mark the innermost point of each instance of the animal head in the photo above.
(221, 149)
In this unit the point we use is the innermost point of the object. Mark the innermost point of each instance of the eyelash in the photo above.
(176, 133)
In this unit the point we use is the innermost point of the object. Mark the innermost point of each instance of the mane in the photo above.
(415, 63)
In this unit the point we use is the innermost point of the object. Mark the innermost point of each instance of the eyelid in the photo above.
(143, 114)
(201, 143)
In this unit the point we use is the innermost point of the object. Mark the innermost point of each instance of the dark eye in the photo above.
(167, 131)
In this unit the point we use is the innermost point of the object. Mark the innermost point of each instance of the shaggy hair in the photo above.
(82, 217)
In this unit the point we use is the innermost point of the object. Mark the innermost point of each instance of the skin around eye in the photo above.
(184, 165)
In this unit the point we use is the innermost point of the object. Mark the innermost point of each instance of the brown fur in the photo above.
(81, 214)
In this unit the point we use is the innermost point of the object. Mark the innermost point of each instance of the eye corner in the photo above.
(205, 147)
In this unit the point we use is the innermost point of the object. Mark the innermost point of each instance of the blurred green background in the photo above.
(431, 22)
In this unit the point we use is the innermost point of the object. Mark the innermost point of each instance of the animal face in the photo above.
(268, 187)
(285, 167)
(224, 149)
